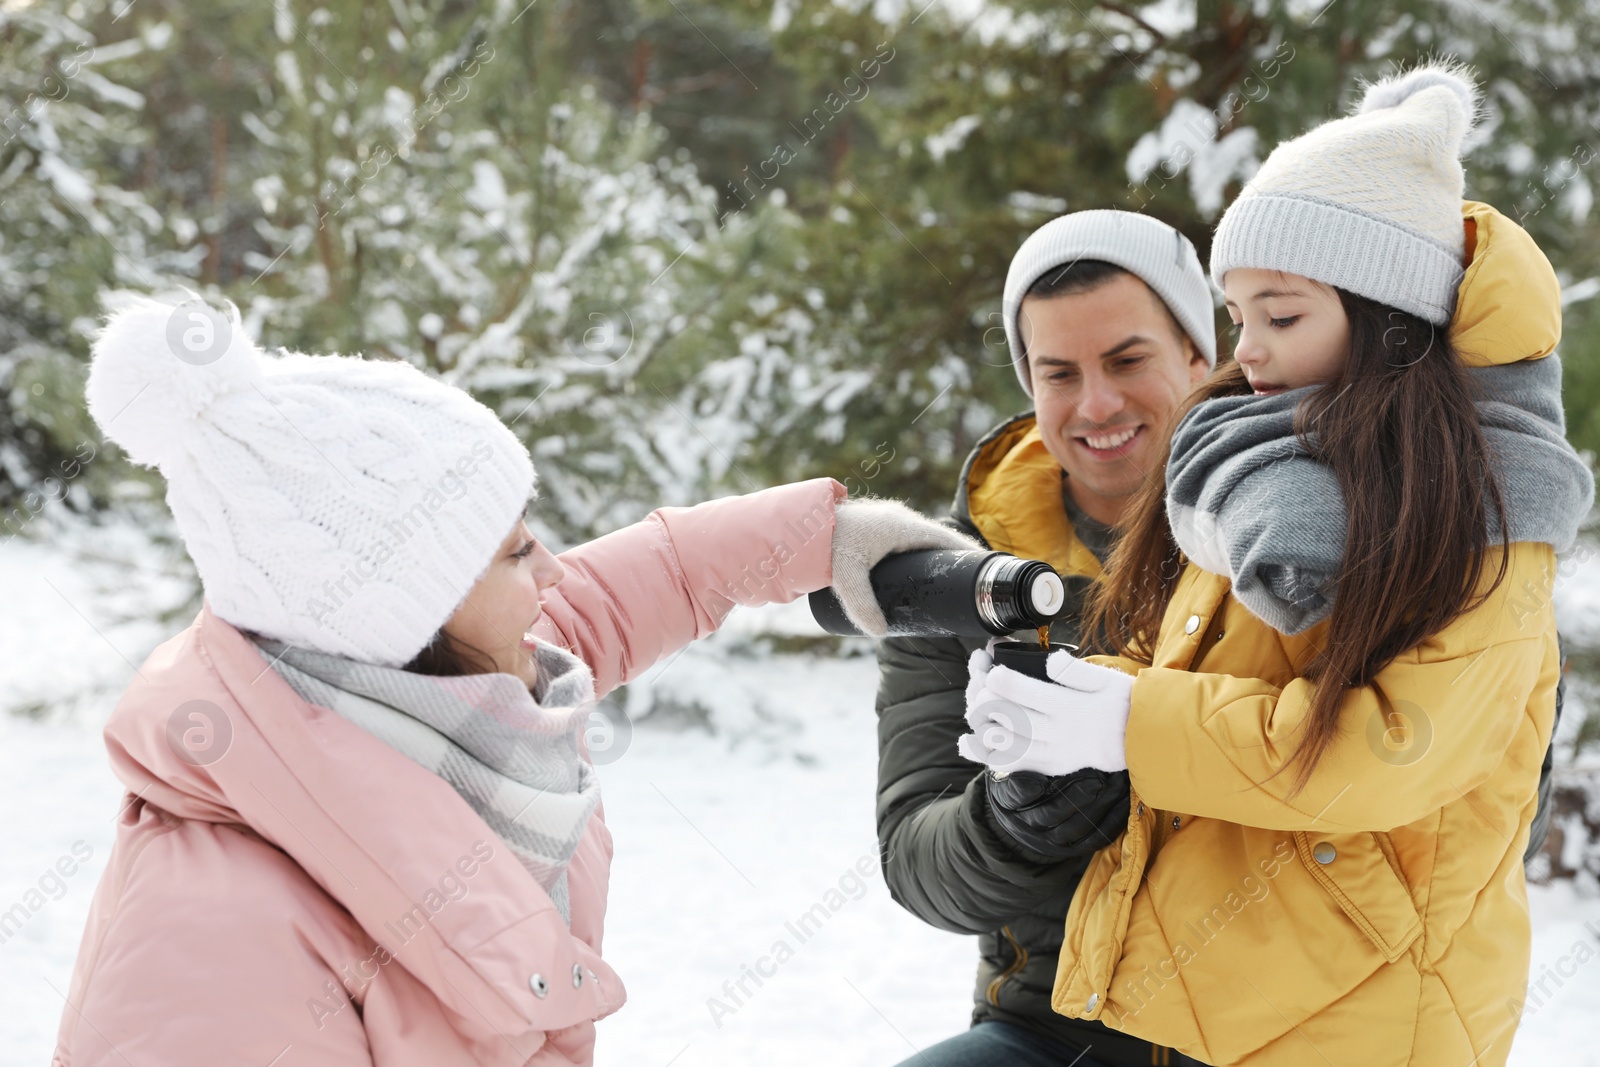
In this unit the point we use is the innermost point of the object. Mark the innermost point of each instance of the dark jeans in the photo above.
(997, 1044)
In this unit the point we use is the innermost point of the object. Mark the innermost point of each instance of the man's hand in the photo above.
(1077, 719)
(1067, 816)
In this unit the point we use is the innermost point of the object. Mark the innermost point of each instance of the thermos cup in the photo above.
(1025, 658)
(956, 593)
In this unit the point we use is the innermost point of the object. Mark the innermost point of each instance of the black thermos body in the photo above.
(956, 593)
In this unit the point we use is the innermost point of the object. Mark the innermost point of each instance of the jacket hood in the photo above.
(1508, 305)
(1010, 494)
(208, 731)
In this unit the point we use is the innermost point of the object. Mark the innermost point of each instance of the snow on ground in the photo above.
(724, 841)
(724, 854)
(1562, 1015)
(1577, 594)
(58, 799)
(56, 792)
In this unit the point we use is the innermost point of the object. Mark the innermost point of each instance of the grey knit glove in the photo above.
(865, 531)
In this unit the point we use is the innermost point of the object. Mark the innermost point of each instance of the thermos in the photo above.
(955, 593)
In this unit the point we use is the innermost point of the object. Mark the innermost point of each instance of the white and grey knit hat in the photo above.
(1369, 203)
(334, 503)
(1149, 248)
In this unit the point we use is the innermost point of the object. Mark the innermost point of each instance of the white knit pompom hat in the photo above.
(1158, 254)
(334, 503)
(1370, 203)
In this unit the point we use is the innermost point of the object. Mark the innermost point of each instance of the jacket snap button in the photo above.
(577, 975)
(1323, 853)
(1094, 998)
(540, 987)
(1192, 625)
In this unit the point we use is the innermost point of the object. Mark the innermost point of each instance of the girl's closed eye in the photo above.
(1285, 323)
(527, 547)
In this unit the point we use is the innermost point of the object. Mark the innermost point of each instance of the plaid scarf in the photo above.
(511, 754)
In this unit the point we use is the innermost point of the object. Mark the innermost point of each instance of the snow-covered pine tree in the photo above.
(72, 222)
(444, 188)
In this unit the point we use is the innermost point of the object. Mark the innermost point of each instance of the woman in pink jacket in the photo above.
(361, 826)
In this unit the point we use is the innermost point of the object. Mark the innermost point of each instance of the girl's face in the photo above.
(503, 605)
(1292, 331)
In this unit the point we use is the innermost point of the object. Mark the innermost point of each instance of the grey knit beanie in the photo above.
(1158, 254)
(1369, 203)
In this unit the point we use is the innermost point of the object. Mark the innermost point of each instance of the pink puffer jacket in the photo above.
(251, 904)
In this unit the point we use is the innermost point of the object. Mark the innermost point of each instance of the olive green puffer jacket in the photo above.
(945, 858)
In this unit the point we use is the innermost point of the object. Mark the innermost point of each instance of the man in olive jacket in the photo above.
(1110, 322)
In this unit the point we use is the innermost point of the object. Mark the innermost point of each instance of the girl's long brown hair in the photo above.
(1400, 431)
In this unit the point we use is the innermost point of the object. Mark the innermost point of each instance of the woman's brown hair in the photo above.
(1399, 429)
(450, 657)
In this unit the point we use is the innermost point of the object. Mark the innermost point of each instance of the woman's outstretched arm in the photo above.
(635, 596)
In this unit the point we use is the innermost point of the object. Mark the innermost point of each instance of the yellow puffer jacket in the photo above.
(1013, 488)
(1380, 916)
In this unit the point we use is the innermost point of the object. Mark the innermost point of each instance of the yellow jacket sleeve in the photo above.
(1430, 728)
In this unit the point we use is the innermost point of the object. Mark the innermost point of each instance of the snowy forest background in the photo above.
(685, 248)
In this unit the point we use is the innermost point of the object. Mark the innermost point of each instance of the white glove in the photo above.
(1077, 719)
(865, 531)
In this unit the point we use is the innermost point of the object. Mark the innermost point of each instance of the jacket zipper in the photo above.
(992, 994)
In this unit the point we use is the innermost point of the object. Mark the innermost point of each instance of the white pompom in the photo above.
(1396, 89)
(157, 366)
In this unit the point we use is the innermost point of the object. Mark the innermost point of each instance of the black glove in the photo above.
(1060, 816)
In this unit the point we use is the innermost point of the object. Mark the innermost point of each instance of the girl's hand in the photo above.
(1077, 719)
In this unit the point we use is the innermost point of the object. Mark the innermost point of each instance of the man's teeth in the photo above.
(1115, 440)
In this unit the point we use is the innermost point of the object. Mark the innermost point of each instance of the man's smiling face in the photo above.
(1109, 368)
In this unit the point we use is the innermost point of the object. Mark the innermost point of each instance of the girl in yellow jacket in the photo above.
(1336, 645)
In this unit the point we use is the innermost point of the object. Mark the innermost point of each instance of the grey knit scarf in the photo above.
(512, 754)
(1246, 501)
